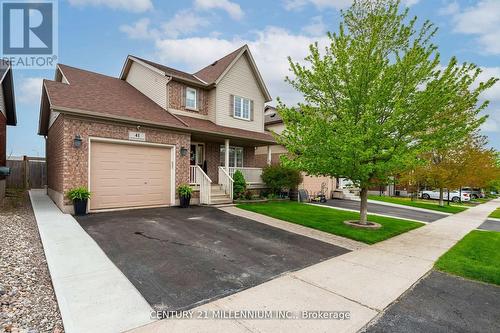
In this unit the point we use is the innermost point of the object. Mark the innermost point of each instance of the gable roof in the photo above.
(7, 86)
(99, 96)
(212, 72)
(207, 76)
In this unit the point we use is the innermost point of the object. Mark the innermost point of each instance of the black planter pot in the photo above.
(185, 201)
(80, 206)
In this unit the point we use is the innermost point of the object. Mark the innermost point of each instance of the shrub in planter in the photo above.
(184, 192)
(80, 197)
(239, 185)
(279, 178)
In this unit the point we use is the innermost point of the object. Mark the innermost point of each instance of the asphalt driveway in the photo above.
(180, 258)
(386, 210)
(443, 303)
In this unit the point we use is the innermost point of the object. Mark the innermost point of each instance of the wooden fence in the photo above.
(30, 172)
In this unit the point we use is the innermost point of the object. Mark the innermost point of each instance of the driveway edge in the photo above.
(92, 293)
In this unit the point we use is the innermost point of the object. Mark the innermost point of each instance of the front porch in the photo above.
(213, 164)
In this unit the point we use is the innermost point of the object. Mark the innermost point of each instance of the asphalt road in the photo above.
(181, 258)
(387, 210)
(443, 303)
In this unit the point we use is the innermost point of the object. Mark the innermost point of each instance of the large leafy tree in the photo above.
(376, 98)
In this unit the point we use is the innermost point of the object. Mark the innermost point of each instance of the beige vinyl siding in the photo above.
(212, 94)
(240, 81)
(53, 117)
(148, 82)
(2, 102)
(275, 149)
(276, 128)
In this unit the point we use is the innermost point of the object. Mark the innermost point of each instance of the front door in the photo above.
(197, 154)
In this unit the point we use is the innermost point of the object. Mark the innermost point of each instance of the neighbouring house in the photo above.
(271, 155)
(133, 139)
(7, 117)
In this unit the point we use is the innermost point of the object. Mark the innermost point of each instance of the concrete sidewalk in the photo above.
(92, 293)
(363, 282)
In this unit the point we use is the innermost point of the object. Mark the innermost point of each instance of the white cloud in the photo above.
(140, 30)
(184, 22)
(270, 48)
(482, 21)
(29, 90)
(316, 28)
(336, 4)
(492, 124)
(451, 9)
(231, 8)
(129, 5)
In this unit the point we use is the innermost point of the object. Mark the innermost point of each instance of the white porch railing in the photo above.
(205, 183)
(226, 181)
(252, 175)
(192, 175)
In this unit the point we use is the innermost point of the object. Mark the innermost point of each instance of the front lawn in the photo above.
(476, 257)
(453, 208)
(496, 213)
(332, 220)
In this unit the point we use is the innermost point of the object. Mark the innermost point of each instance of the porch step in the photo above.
(221, 200)
(218, 195)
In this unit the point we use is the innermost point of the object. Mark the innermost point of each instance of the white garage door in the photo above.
(126, 175)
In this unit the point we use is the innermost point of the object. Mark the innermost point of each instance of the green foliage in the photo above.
(239, 185)
(332, 220)
(476, 257)
(278, 178)
(184, 190)
(79, 193)
(376, 98)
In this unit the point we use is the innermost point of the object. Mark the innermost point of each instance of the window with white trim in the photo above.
(191, 98)
(235, 156)
(241, 108)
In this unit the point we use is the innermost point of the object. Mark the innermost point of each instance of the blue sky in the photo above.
(98, 34)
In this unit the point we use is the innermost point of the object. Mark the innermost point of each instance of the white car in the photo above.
(454, 195)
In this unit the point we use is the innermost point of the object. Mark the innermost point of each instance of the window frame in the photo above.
(195, 108)
(241, 105)
(235, 158)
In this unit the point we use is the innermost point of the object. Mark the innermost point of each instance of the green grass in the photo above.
(475, 257)
(332, 220)
(496, 214)
(453, 209)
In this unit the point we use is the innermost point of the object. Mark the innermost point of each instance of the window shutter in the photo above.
(183, 97)
(231, 105)
(251, 110)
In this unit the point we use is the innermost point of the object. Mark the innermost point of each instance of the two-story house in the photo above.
(133, 139)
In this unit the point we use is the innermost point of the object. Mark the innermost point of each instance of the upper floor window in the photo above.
(191, 98)
(242, 108)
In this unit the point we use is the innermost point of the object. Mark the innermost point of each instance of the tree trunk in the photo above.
(441, 199)
(363, 210)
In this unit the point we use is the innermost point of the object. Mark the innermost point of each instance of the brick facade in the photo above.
(212, 156)
(176, 98)
(75, 160)
(55, 155)
(261, 159)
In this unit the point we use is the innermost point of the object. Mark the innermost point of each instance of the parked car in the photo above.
(454, 195)
(474, 193)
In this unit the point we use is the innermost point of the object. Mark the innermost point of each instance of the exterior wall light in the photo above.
(184, 151)
(77, 141)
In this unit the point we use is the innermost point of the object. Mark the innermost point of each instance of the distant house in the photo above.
(272, 153)
(7, 116)
(133, 139)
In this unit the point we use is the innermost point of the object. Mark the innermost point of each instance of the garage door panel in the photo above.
(123, 176)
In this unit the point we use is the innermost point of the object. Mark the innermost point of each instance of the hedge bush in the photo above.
(279, 178)
(239, 185)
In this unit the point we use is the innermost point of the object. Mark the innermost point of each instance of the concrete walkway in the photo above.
(93, 295)
(363, 282)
